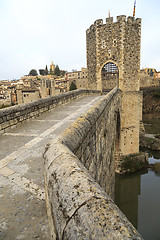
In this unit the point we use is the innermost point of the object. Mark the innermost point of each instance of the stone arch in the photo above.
(109, 75)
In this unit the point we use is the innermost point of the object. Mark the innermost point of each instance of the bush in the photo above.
(33, 72)
(4, 106)
(156, 94)
(72, 87)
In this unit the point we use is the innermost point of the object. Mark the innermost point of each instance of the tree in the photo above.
(63, 72)
(57, 71)
(33, 72)
(72, 87)
(42, 72)
(46, 70)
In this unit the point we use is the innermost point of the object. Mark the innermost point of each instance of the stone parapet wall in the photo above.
(148, 81)
(92, 139)
(11, 116)
(78, 208)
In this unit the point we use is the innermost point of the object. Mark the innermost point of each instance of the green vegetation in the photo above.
(133, 163)
(33, 72)
(57, 71)
(4, 106)
(42, 72)
(157, 136)
(156, 94)
(46, 70)
(72, 87)
(63, 72)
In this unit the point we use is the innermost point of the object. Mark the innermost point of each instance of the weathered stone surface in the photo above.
(13, 115)
(113, 60)
(77, 206)
(114, 42)
(94, 134)
(99, 219)
(80, 209)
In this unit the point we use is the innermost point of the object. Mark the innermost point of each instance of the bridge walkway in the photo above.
(22, 206)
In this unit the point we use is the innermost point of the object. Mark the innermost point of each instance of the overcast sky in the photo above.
(35, 32)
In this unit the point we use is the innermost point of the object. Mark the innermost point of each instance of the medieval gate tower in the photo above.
(113, 59)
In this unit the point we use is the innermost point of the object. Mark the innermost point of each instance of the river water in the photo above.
(138, 195)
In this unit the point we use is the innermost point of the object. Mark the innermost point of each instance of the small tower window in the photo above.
(103, 44)
(114, 43)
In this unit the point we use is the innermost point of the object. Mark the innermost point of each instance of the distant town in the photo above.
(55, 81)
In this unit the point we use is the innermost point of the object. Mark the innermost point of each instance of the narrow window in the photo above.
(114, 43)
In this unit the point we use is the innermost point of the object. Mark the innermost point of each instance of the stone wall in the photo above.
(95, 137)
(148, 81)
(11, 116)
(114, 47)
(117, 42)
(78, 208)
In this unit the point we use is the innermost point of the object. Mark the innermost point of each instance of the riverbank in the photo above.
(150, 138)
(151, 103)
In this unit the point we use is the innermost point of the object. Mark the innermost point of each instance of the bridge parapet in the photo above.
(11, 116)
(78, 208)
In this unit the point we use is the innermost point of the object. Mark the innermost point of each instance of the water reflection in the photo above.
(127, 189)
(138, 197)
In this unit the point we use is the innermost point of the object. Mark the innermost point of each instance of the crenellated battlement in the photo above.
(109, 21)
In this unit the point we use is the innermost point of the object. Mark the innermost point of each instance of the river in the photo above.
(138, 195)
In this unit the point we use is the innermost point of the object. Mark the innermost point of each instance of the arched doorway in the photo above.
(109, 76)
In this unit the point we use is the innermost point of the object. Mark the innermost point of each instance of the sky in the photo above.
(36, 32)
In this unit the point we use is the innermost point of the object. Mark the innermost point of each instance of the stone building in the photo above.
(158, 75)
(47, 86)
(78, 77)
(113, 56)
(26, 95)
(148, 78)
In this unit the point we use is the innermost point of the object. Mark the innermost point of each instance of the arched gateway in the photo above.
(113, 59)
(109, 76)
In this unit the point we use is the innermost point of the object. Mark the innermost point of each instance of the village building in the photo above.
(79, 78)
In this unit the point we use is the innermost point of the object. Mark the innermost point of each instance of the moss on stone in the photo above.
(133, 162)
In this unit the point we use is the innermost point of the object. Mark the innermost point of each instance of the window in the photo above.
(103, 44)
(114, 43)
(110, 67)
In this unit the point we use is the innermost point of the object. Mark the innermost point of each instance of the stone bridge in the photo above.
(82, 146)
(76, 135)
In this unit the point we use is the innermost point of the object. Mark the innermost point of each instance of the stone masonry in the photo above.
(78, 208)
(118, 43)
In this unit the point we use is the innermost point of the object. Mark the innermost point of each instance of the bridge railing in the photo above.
(78, 208)
(11, 116)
